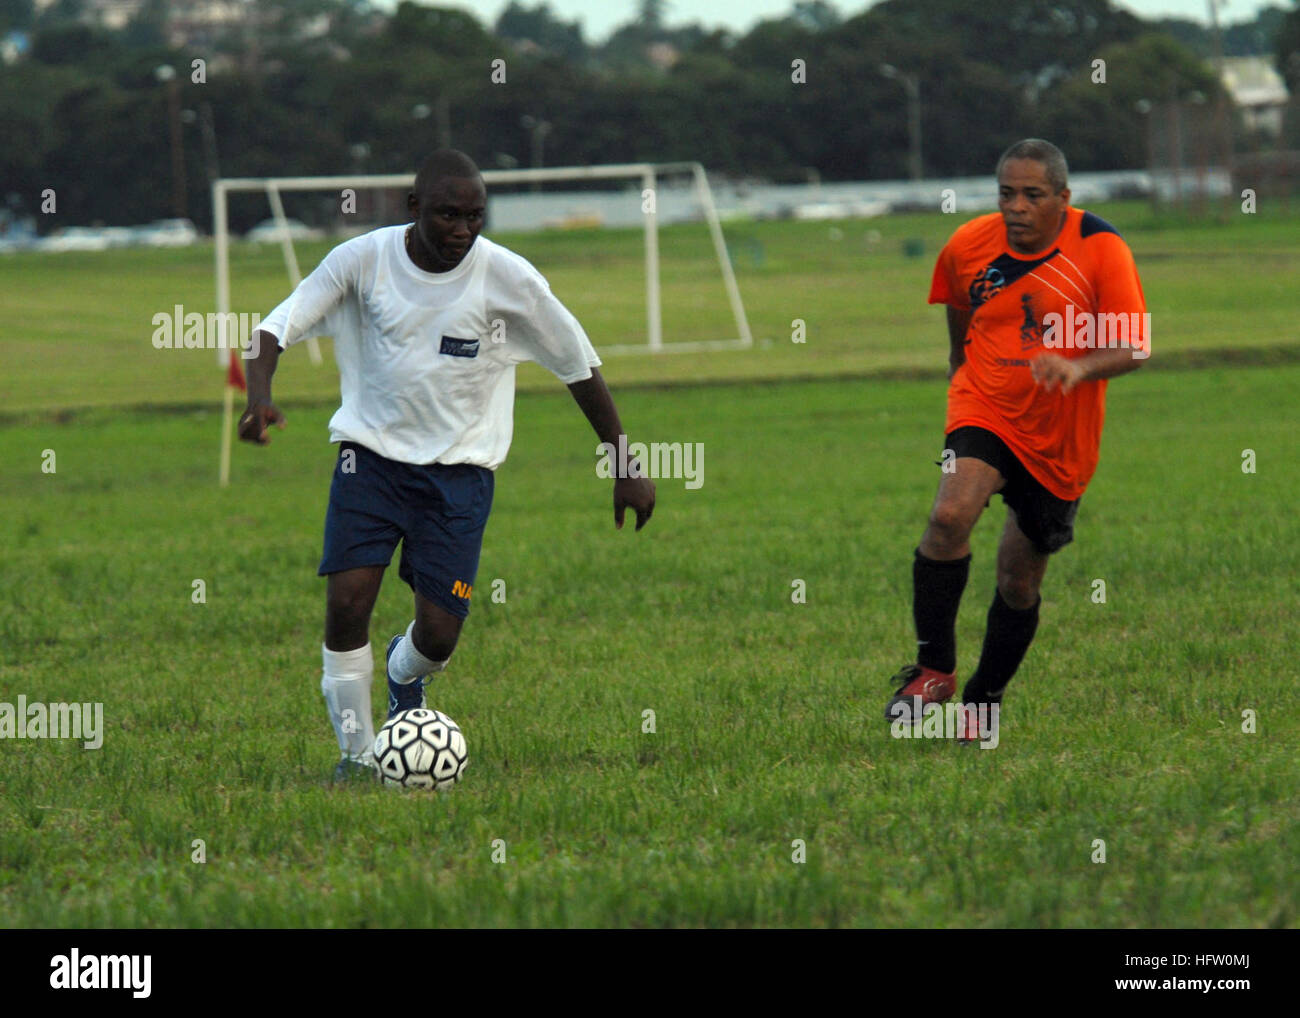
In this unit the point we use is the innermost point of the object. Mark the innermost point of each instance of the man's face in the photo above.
(1031, 210)
(448, 218)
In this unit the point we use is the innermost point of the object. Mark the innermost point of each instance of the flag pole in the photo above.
(221, 253)
(234, 380)
(227, 412)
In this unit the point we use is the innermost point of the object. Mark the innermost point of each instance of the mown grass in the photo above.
(1124, 725)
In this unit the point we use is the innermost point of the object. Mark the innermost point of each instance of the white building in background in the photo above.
(1258, 90)
(187, 20)
(111, 14)
(114, 14)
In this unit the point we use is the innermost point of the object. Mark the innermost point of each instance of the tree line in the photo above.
(308, 87)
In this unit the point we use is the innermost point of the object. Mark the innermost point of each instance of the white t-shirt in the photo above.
(427, 359)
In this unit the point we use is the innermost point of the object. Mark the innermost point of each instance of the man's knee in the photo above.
(349, 600)
(1019, 589)
(951, 522)
(436, 632)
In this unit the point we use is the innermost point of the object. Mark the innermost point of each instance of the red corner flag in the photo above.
(235, 373)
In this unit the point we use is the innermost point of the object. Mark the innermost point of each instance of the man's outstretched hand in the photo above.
(1050, 370)
(255, 420)
(636, 493)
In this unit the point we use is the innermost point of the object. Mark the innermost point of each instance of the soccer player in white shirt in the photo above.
(428, 322)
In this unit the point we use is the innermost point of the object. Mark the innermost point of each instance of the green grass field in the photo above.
(1124, 724)
(78, 327)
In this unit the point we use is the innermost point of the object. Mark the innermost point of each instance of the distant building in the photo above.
(201, 22)
(110, 14)
(1258, 90)
(663, 55)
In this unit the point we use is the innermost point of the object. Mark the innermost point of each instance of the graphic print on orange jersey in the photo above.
(1000, 273)
(1031, 330)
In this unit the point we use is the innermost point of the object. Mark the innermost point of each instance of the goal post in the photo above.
(649, 175)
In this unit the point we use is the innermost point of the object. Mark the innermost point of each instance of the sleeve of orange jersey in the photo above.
(1119, 290)
(944, 287)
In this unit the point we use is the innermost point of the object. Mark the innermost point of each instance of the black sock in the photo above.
(936, 594)
(1005, 641)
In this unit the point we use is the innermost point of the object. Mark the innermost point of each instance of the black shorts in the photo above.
(438, 512)
(1046, 520)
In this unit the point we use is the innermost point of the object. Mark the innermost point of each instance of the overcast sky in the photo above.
(599, 17)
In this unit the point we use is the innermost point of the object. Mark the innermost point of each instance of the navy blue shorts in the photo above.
(438, 512)
(1046, 520)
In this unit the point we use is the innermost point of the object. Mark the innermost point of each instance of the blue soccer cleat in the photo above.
(402, 697)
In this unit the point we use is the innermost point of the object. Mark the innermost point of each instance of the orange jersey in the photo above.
(1080, 293)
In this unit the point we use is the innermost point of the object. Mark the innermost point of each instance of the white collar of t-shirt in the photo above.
(450, 276)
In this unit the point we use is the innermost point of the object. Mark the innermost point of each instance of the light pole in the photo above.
(203, 117)
(1147, 109)
(539, 129)
(912, 86)
(442, 108)
(360, 152)
(421, 112)
(166, 74)
(1222, 129)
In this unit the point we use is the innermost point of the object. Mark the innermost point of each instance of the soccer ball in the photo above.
(421, 748)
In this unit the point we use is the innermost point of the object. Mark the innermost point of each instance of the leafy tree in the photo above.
(1022, 36)
(652, 15)
(16, 14)
(448, 32)
(149, 26)
(61, 12)
(540, 26)
(1286, 49)
(1252, 38)
(816, 15)
(1103, 126)
(73, 44)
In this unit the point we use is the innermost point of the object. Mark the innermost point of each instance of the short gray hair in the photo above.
(1052, 158)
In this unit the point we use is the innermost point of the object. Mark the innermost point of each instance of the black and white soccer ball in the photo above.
(421, 748)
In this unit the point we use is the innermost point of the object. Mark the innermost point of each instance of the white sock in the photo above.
(346, 685)
(407, 664)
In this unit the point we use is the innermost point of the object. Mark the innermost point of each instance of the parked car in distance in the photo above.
(268, 231)
(75, 238)
(166, 233)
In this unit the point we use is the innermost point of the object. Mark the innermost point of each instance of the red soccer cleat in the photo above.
(968, 725)
(917, 687)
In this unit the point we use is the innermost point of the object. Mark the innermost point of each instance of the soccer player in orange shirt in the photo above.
(1044, 305)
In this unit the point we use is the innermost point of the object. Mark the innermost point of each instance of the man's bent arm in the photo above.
(261, 412)
(592, 395)
(1051, 369)
(262, 366)
(1108, 363)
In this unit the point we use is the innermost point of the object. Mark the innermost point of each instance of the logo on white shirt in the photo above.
(459, 347)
